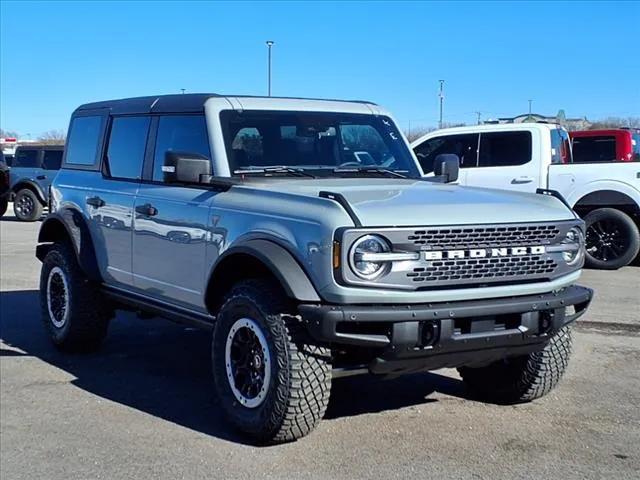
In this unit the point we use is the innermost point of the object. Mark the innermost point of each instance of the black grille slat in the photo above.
(447, 238)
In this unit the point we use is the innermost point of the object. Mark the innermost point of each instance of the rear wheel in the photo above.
(522, 379)
(272, 383)
(73, 310)
(612, 239)
(27, 206)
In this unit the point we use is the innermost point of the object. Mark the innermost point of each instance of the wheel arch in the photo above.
(70, 225)
(30, 185)
(607, 198)
(254, 259)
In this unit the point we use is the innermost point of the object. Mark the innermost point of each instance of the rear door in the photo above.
(51, 162)
(171, 221)
(111, 196)
(507, 160)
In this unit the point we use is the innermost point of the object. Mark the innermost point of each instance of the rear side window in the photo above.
(504, 149)
(180, 133)
(560, 146)
(465, 146)
(27, 158)
(52, 159)
(127, 142)
(635, 145)
(82, 145)
(594, 149)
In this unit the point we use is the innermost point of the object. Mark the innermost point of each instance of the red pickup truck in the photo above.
(614, 145)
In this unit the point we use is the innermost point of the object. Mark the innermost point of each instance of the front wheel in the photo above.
(612, 239)
(272, 383)
(27, 206)
(522, 379)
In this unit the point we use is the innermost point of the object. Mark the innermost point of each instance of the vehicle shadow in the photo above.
(163, 369)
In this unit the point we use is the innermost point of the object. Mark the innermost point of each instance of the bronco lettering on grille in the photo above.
(484, 253)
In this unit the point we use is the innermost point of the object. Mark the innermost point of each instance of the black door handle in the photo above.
(41, 177)
(95, 202)
(147, 209)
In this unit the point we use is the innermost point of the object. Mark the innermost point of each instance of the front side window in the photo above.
(27, 158)
(52, 159)
(82, 145)
(465, 146)
(179, 133)
(127, 142)
(315, 144)
(504, 149)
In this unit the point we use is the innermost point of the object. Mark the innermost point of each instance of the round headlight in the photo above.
(362, 267)
(575, 238)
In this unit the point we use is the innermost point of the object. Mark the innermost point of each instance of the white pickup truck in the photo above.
(529, 156)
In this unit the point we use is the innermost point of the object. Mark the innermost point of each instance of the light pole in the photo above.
(269, 45)
(182, 90)
(478, 114)
(530, 101)
(441, 95)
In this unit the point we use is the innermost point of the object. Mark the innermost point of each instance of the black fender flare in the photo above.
(31, 185)
(279, 261)
(70, 225)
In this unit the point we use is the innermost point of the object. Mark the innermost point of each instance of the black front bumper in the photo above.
(449, 334)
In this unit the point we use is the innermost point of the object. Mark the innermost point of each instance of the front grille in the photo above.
(470, 255)
(483, 269)
(477, 237)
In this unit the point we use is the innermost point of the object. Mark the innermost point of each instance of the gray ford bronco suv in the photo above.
(302, 235)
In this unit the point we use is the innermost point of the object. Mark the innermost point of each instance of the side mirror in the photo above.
(447, 167)
(185, 167)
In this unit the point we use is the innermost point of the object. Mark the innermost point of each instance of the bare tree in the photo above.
(53, 137)
(8, 133)
(418, 132)
(616, 122)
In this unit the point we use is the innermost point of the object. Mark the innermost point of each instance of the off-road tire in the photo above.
(627, 228)
(4, 203)
(88, 314)
(298, 392)
(35, 211)
(521, 379)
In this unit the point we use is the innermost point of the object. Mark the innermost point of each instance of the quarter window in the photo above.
(504, 149)
(52, 159)
(127, 143)
(465, 146)
(186, 133)
(82, 145)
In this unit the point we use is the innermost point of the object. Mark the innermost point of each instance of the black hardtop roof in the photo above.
(188, 102)
(40, 146)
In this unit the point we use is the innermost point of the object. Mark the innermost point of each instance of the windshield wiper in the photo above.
(277, 169)
(380, 170)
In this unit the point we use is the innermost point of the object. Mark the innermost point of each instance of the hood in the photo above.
(397, 202)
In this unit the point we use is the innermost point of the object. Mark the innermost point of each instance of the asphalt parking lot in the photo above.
(143, 407)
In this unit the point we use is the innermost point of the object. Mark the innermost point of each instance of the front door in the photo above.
(171, 221)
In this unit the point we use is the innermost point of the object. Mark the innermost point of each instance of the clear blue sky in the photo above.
(578, 56)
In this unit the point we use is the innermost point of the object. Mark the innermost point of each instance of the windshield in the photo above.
(315, 144)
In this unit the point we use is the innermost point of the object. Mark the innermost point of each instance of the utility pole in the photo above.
(478, 114)
(269, 45)
(441, 95)
(530, 107)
